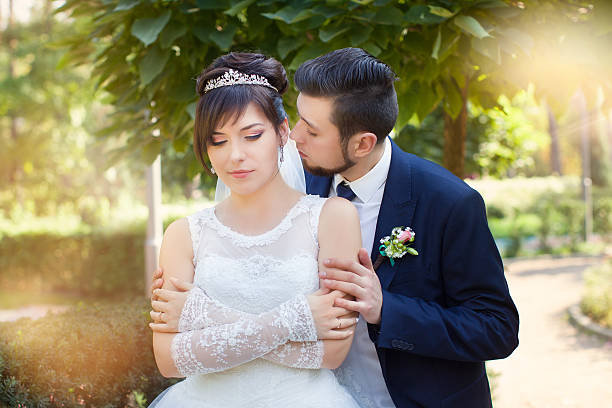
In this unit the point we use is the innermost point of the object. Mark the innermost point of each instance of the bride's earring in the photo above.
(282, 158)
(212, 170)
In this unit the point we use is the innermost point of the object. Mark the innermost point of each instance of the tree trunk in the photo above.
(455, 131)
(555, 152)
(586, 166)
(610, 134)
(14, 172)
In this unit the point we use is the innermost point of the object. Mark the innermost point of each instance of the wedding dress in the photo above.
(247, 338)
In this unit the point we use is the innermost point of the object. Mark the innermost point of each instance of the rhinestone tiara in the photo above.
(233, 77)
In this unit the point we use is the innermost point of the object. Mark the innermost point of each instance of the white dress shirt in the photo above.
(360, 372)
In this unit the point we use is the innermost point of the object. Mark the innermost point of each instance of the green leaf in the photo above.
(151, 150)
(287, 44)
(471, 26)
(147, 29)
(408, 101)
(359, 34)
(306, 53)
(440, 11)
(224, 38)
(489, 47)
(412, 251)
(183, 91)
(436, 47)
(191, 110)
(126, 5)
(202, 33)
(372, 48)
(327, 12)
(212, 4)
(520, 38)
(421, 15)
(389, 15)
(152, 64)
(289, 15)
(180, 144)
(239, 7)
(172, 31)
(330, 33)
(452, 100)
(428, 100)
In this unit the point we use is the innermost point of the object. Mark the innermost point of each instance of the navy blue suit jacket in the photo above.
(448, 309)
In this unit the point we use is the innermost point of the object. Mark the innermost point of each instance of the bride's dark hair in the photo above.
(219, 105)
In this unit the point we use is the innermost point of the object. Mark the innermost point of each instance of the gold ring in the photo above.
(161, 316)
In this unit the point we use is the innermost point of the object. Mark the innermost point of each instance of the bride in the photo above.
(243, 333)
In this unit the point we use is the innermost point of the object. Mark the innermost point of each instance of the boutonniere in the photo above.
(396, 245)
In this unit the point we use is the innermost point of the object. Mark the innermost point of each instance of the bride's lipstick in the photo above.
(240, 173)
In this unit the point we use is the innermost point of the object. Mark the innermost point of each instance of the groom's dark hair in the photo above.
(361, 87)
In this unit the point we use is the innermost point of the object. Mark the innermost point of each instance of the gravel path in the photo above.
(555, 365)
(33, 311)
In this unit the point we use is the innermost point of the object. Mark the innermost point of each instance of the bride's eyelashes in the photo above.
(217, 142)
(254, 137)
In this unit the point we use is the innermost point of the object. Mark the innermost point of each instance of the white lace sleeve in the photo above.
(197, 314)
(218, 348)
(306, 354)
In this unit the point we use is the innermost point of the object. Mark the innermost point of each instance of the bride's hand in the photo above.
(332, 322)
(168, 306)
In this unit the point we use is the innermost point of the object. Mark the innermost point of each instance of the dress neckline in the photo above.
(283, 225)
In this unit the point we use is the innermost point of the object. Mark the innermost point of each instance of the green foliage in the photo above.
(88, 264)
(597, 300)
(547, 208)
(90, 356)
(49, 162)
(152, 50)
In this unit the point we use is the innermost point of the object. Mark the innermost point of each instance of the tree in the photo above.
(49, 163)
(444, 52)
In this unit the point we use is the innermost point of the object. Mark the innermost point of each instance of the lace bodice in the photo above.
(249, 298)
(257, 273)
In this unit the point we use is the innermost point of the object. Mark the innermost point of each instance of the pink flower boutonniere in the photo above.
(396, 245)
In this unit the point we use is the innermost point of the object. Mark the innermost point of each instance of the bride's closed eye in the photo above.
(217, 142)
(254, 137)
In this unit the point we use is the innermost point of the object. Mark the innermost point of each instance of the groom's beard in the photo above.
(323, 172)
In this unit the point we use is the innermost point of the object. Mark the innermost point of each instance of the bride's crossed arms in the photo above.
(218, 337)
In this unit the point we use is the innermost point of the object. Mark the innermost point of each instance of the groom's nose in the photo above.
(295, 133)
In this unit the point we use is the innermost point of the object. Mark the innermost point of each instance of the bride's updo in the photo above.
(223, 103)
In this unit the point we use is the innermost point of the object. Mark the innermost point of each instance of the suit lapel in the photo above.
(396, 209)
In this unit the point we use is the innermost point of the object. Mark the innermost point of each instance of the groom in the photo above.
(428, 321)
(434, 318)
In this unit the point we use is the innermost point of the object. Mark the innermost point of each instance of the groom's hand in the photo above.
(357, 279)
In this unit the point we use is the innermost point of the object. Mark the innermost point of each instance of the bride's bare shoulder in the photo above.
(177, 236)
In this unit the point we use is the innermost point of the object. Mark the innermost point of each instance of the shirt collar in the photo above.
(367, 185)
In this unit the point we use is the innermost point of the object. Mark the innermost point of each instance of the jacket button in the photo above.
(400, 345)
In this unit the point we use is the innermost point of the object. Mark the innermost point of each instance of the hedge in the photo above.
(90, 356)
(87, 264)
(597, 300)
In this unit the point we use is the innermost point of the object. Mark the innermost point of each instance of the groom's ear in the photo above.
(364, 143)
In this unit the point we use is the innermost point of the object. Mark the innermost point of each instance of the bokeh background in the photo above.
(96, 96)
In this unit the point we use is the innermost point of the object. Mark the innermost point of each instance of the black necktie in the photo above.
(344, 190)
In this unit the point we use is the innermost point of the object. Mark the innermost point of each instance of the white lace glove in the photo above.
(219, 338)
